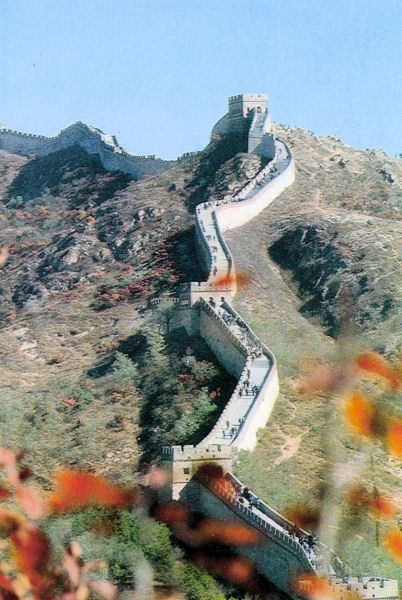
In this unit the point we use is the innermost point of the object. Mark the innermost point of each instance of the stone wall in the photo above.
(261, 405)
(181, 463)
(227, 348)
(258, 194)
(245, 111)
(278, 557)
(112, 156)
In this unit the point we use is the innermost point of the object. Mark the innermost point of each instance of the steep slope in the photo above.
(89, 249)
(315, 268)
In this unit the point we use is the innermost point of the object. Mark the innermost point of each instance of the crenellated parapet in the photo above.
(92, 140)
(181, 463)
(248, 119)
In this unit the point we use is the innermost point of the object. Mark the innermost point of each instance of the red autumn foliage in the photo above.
(303, 516)
(359, 413)
(374, 365)
(171, 513)
(237, 570)
(32, 553)
(231, 534)
(393, 543)
(358, 498)
(75, 490)
(233, 279)
(394, 437)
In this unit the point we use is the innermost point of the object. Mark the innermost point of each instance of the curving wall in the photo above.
(112, 156)
(283, 553)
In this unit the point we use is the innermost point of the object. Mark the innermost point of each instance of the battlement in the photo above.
(89, 138)
(188, 452)
(244, 103)
(247, 98)
(248, 123)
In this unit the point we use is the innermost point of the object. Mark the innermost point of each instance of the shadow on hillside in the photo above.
(134, 346)
(212, 158)
(70, 172)
(182, 251)
(174, 387)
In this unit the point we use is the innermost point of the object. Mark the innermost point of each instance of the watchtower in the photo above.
(240, 108)
(181, 463)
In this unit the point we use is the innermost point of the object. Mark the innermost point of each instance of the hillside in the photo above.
(89, 250)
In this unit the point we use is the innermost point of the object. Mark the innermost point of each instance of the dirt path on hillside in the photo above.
(289, 447)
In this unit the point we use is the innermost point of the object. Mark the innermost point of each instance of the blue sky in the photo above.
(157, 73)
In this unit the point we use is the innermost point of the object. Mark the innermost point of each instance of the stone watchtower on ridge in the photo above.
(248, 124)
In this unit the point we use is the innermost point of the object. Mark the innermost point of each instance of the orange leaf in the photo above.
(303, 516)
(30, 501)
(394, 437)
(171, 513)
(359, 497)
(393, 543)
(32, 553)
(227, 281)
(376, 366)
(237, 570)
(76, 489)
(231, 534)
(359, 413)
(384, 507)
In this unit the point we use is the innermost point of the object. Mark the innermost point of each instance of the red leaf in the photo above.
(393, 543)
(375, 365)
(394, 437)
(231, 534)
(171, 513)
(76, 489)
(237, 570)
(32, 552)
(359, 413)
(303, 516)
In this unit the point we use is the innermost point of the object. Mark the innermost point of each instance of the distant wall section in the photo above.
(112, 156)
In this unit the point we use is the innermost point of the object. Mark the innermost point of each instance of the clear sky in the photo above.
(157, 73)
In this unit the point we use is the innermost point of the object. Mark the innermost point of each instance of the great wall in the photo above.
(112, 156)
(205, 309)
